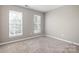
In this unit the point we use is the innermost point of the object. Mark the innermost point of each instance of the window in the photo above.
(37, 24)
(15, 23)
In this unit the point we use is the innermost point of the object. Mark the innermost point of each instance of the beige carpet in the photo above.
(40, 45)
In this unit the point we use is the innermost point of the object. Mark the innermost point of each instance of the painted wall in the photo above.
(63, 23)
(0, 25)
(27, 22)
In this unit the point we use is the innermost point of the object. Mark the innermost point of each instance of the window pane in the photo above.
(37, 24)
(15, 23)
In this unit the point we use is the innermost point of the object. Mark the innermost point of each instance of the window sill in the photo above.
(19, 35)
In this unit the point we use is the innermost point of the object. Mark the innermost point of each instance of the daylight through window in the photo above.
(15, 23)
(37, 24)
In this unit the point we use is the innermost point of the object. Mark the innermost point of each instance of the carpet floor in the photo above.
(40, 45)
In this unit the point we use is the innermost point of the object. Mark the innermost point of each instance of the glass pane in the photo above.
(37, 24)
(15, 23)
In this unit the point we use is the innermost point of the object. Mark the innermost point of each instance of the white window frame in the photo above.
(38, 17)
(21, 28)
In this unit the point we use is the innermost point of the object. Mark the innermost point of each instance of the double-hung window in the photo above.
(15, 23)
(37, 24)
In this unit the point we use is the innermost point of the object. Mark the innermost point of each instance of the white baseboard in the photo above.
(20, 40)
(63, 40)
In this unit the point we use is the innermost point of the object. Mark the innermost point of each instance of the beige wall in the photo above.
(0, 24)
(63, 23)
(27, 22)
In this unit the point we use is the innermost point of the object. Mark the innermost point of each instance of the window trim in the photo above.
(39, 24)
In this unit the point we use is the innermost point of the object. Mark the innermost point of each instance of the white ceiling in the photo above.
(42, 8)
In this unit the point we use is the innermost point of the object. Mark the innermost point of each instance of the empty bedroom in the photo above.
(39, 28)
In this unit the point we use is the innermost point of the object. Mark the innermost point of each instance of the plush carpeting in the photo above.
(40, 45)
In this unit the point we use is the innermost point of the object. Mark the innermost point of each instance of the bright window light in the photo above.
(37, 24)
(15, 23)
